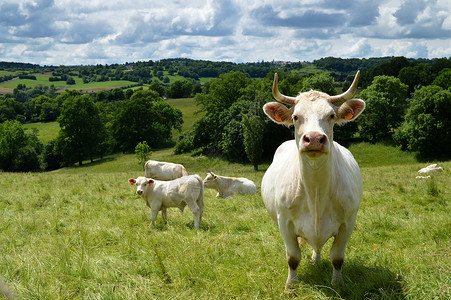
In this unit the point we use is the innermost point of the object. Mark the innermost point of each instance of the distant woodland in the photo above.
(104, 109)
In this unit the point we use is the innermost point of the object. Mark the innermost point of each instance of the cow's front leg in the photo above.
(292, 250)
(153, 216)
(337, 251)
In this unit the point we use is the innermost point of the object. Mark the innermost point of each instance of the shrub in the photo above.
(143, 153)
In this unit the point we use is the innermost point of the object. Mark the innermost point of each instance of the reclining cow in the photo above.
(180, 192)
(228, 186)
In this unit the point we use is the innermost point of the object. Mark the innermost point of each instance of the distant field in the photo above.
(46, 131)
(43, 80)
(190, 113)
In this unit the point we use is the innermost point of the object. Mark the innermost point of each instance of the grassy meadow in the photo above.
(83, 233)
(43, 80)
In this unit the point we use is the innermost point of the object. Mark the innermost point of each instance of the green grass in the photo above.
(47, 131)
(43, 80)
(190, 114)
(83, 233)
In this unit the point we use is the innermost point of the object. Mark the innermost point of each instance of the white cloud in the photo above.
(116, 31)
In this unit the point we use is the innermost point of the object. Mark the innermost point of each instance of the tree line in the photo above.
(89, 128)
(413, 114)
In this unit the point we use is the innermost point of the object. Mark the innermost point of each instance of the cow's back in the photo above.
(185, 188)
(164, 170)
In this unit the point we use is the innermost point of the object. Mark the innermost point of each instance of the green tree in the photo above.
(181, 89)
(157, 87)
(386, 104)
(81, 131)
(145, 117)
(46, 109)
(320, 82)
(427, 125)
(143, 153)
(253, 127)
(443, 79)
(19, 151)
(221, 126)
(418, 75)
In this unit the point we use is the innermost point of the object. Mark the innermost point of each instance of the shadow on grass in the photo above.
(361, 282)
(163, 226)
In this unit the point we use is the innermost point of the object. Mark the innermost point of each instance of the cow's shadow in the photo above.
(361, 282)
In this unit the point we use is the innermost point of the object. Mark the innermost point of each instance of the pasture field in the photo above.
(43, 80)
(83, 233)
(47, 131)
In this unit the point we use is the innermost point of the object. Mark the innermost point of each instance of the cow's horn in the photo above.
(349, 93)
(278, 96)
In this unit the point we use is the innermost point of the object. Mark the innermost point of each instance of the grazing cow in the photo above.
(180, 192)
(430, 169)
(312, 189)
(227, 186)
(164, 170)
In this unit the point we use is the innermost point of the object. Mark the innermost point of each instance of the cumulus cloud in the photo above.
(97, 31)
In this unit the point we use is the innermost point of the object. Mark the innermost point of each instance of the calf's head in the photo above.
(314, 115)
(210, 180)
(142, 183)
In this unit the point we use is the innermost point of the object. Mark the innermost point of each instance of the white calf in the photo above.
(227, 186)
(180, 192)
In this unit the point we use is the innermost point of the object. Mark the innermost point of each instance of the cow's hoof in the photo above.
(337, 281)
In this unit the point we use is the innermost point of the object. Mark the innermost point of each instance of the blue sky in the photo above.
(73, 32)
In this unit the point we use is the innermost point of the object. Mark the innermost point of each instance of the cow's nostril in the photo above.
(322, 140)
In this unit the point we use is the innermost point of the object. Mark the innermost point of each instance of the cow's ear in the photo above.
(150, 181)
(350, 110)
(132, 181)
(279, 113)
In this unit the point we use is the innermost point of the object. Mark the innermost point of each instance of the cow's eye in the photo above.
(295, 118)
(332, 116)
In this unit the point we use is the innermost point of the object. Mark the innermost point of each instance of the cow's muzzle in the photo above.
(314, 143)
(139, 192)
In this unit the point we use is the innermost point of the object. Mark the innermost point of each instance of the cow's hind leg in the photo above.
(164, 214)
(337, 251)
(197, 212)
(293, 252)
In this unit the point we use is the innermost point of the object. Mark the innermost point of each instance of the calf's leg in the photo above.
(164, 215)
(153, 216)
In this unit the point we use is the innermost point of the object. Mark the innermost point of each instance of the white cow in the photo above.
(228, 186)
(312, 189)
(164, 170)
(180, 192)
(430, 169)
